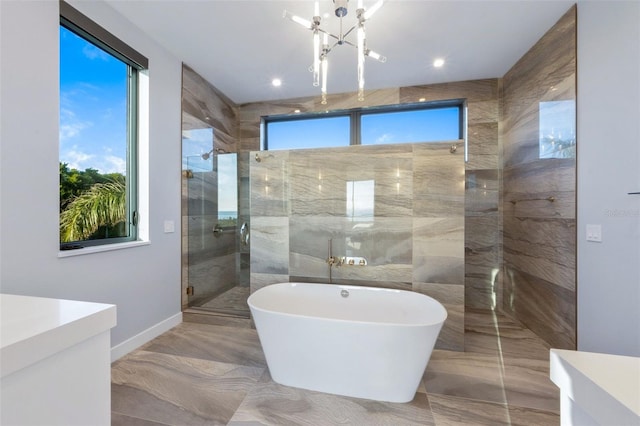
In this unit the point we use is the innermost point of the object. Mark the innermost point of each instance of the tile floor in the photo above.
(215, 374)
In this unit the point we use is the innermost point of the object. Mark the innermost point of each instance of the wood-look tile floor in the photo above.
(205, 374)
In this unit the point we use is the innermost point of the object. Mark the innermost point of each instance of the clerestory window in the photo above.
(411, 123)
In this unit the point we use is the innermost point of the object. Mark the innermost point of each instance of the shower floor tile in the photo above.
(202, 374)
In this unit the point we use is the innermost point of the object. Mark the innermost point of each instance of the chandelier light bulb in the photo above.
(360, 61)
(375, 55)
(316, 58)
(325, 67)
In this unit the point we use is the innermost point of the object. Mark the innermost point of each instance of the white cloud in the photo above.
(80, 160)
(93, 52)
(77, 159)
(70, 125)
(384, 138)
(113, 164)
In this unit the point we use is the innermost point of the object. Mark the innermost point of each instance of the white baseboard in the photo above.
(143, 337)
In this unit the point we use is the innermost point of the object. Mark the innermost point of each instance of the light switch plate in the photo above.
(594, 233)
(169, 226)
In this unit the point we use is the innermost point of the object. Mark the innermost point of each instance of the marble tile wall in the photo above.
(539, 236)
(412, 235)
(209, 264)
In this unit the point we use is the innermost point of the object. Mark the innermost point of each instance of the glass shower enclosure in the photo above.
(211, 232)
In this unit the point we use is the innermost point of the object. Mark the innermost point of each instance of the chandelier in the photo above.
(320, 52)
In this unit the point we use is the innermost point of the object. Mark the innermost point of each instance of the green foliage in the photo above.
(226, 222)
(74, 182)
(92, 205)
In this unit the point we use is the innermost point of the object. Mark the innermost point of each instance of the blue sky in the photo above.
(93, 107)
(439, 124)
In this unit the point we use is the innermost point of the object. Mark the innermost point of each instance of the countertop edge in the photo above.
(581, 387)
(30, 350)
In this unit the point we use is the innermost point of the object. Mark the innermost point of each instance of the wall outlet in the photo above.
(594, 233)
(169, 226)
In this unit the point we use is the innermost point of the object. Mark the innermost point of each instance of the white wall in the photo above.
(144, 282)
(608, 168)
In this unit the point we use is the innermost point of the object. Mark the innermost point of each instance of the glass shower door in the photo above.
(211, 188)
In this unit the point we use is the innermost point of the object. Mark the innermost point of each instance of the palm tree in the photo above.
(101, 206)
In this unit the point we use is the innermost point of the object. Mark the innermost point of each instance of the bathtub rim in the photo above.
(339, 320)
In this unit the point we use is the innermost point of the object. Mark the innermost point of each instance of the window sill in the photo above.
(100, 249)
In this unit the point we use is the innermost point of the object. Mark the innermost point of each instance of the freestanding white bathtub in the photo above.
(355, 341)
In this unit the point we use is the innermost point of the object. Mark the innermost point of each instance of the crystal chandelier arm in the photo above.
(361, 43)
(316, 58)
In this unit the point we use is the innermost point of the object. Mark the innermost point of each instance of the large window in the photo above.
(98, 134)
(383, 125)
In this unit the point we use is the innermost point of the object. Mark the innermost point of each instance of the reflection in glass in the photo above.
(360, 200)
(227, 189)
(196, 143)
(421, 125)
(557, 129)
(317, 132)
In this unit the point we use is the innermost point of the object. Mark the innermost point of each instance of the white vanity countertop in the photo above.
(606, 386)
(33, 328)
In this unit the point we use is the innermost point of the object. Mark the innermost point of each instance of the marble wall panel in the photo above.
(482, 259)
(398, 274)
(204, 102)
(350, 100)
(269, 181)
(452, 298)
(538, 235)
(544, 248)
(553, 177)
(259, 280)
(385, 242)
(270, 245)
(203, 242)
(438, 180)
(483, 140)
(546, 308)
(245, 269)
(202, 194)
(474, 90)
(482, 192)
(211, 276)
(319, 179)
(438, 250)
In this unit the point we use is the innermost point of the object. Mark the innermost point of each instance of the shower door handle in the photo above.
(244, 234)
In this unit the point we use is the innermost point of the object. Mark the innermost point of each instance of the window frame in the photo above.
(87, 29)
(355, 115)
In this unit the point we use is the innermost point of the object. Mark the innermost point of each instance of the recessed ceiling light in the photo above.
(439, 62)
(422, 99)
(276, 82)
(297, 111)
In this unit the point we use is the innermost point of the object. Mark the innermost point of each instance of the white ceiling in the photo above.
(239, 46)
